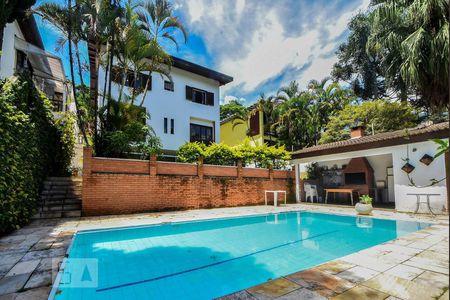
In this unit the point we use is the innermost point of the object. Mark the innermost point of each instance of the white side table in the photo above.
(275, 197)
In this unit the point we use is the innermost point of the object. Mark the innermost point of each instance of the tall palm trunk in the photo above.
(1, 37)
(77, 55)
(72, 74)
(145, 89)
(94, 57)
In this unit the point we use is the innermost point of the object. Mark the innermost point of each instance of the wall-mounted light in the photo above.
(426, 159)
(408, 168)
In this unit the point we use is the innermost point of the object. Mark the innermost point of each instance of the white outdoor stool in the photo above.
(275, 197)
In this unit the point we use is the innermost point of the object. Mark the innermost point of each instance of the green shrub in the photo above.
(219, 154)
(136, 139)
(65, 143)
(28, 149)
(191, 152)
(245, 152)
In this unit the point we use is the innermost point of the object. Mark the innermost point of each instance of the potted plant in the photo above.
(364, 206)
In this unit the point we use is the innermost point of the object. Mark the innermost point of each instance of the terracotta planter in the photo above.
(363, 209)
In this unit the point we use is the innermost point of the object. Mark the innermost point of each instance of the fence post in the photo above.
(239, 169)
(153, 165)
(270, 172)
(87, 161)
(200, 167)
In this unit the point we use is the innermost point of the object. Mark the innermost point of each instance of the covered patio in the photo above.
(396, 169)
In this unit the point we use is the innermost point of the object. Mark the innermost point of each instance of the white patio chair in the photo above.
(311, 192)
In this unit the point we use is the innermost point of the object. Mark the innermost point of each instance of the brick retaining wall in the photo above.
(118, 186)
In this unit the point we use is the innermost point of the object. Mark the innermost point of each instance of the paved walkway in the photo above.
(415, 266)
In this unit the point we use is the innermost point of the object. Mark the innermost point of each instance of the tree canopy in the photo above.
(377, 116)
(234, 107)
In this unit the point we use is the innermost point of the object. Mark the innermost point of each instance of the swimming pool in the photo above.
(208, 259)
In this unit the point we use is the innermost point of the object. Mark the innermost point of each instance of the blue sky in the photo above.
(263, 44)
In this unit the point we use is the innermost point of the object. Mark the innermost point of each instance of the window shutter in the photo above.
(189, 92)
(210, 99)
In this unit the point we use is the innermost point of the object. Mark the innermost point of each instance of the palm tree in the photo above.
(412, 39)
(160, 25)
(60, 18)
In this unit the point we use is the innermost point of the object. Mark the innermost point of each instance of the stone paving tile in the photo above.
(5, 269)
(12, 284)
(361, 292)
(445, 296)
(242, 295)
(428, 278)
(34, 294)
(334, 267)
(358, 274)
(325, 284)
(273, 289)
(50, 264)
(23, 267)
(44, 254)
(39, 279)
(368, 262)
(303, 294)
(402, 288)
(11, 259)
(441, 247)
(428, 264)
(405, 272)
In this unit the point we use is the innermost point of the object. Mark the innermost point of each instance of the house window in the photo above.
(199, 96)
(131, 80)
(21, 61)
(200, 133)
(168, 85)
(57, 102)
(165, 125)
(172, 126)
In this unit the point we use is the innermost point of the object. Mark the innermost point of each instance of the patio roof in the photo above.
(386, 139)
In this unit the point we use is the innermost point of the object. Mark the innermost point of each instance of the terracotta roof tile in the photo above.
(438, 130)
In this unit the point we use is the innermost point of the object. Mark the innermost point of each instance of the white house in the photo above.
(23, 49)
(186, 109)
(375, 165)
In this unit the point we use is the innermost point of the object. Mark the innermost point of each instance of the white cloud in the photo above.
(254, 41)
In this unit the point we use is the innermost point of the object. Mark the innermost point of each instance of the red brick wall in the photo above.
(112, 186)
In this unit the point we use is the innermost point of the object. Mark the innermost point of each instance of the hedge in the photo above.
(263, 156)
(30, 149)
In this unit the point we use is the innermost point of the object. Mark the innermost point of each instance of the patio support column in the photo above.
(297, 182)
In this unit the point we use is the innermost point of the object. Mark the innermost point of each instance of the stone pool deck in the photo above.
(415, 266)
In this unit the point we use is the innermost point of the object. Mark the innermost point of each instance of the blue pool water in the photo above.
(208, 259)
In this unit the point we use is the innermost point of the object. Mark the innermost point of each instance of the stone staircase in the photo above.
(60, 198)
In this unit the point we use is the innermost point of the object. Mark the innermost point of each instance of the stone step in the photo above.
(60, 201)
(60, 207)
(49, 184)
(59, 193)
(71, 214)
(64, 179)
(59, 197)
(57, 214)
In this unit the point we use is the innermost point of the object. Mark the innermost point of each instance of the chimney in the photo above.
(357, 131)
